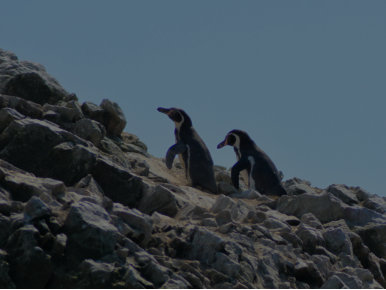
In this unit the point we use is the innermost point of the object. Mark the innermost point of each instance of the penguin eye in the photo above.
(176, 116)
(231, 139)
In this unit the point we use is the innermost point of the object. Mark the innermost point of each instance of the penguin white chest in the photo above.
(251, 180)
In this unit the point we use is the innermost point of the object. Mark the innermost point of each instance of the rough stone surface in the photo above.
(84, 205)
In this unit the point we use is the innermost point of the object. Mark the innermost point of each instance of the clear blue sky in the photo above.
(306, 79)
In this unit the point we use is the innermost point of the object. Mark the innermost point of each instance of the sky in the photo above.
(305, 79)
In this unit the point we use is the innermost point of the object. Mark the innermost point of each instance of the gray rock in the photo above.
(118, 183)
(374, 236)
(205, 245)
(95, 274)
(311, 220)
(307, 272)
(360, 216)
(128, 138)
(318, 205)
(35, 208)
(337, 241)
(89, 230)
(276, 225)
(225, 188)
(160, 199)
(140, 222)
(310, 237)
(5, 228)
(239, 210)
(296, 186)
(62, 114)
(151, 270)
(134, 280)
(22, 145)
(334, 282)
(5, 280)
(27, 108)
(28, 80)
(30, 266)
(90, 130)
(89, 187)
(351, 281)
(247, 194)
(343, 193)
(114, 119)
(93, 111)
(7, 115)
(226, 265)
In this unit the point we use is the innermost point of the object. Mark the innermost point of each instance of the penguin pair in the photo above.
(262, 173)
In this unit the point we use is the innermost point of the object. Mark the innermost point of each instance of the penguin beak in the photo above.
(222, 144)
(163, 110)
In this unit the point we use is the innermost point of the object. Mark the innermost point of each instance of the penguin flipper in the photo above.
(240, 165)
(175, 149)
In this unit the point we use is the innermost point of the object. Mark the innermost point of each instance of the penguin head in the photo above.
(179, 116)
(236, 138)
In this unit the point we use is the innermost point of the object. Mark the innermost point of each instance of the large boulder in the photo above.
(90, 231)
(27, 108)
(28, 80)
(374, 236)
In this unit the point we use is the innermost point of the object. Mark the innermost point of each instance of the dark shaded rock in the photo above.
(114, 119)
(334, 282)
(296, 186)
(62, 115)
(311, 220)
(307, 272)
(7, 115)
(27, 144)
(35, 208)
(117, 183)
(337, 241)
(151, 269)
(360, 216)
(159, 199)
(5, 280)
(205, 245)
(316, 204)
(71, 162)
(30, 266)
(89, 230)
(134, 280)
(93, 111)
(90, 130)
(95, 274)
(310, 237)
(33, 87)
(343, 193)
(5, 228)
(87, 186)
(374, 236)
(24, 107)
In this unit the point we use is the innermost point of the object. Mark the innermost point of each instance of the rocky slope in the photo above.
(82, 204)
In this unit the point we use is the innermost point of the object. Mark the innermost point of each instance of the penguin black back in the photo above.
(195, 155)
(262, 173)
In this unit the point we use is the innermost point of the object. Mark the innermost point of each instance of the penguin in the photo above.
(262, 173)
(195, 155)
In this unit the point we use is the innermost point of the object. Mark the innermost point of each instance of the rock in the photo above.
(374, 236)
(239, 210)
(28, 80)
(93, 111)
(334, 282)
(205, 245)
(350, 281)
(247, 194)
(5, 280)
(310, 237)
(318, 205)
(71, 162)
(62, 115)
(22, 145)
(114, 119)
(159, 199)
(7, 115)
(128, 138)
(138, 221)
(89, 187)
(337, 241)
(35, 208)
(90, 130)
(296, 186)
(307, 272)
(311, 220)
(134, 280)
(225, 188)
(360, 216)
(375, 203)
(89, 230)
(23, 185)
(151, 269)
(30, 266)
(24, 107)
(117, 183)
(343, 193)
(95, 274)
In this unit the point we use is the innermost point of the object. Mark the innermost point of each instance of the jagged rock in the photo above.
(151, 269)
(360, 216)
(311, 220)
(159, 199)
(7, 115)
(318, 205)
(95, 274)
(90, 130)
(337, 241)
(23, 185)
(134, 280)
(68, 113)
(350, 281)
(93, 111)
(22, 145)
(28, 80)
(140, 222)
(343, 193)
(307, 272)
(375, 203)
(334, 282)
(22, 106)
(71, 162)
(5, 227)
(35, 208)
(5, 280)
(296, 186)
(30, 266)
(117, 183)
(239, 210)
(89, 230)
(310, 237)
(374, 236)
